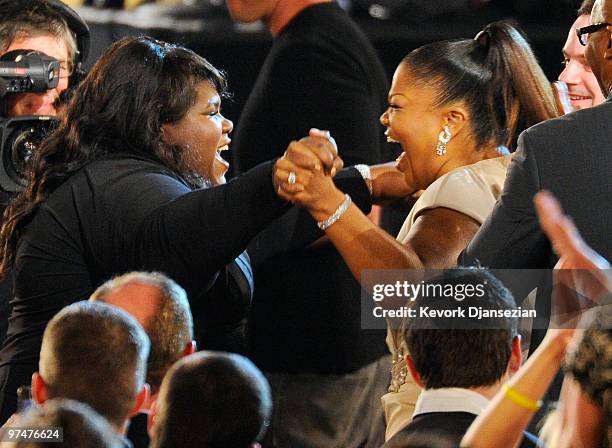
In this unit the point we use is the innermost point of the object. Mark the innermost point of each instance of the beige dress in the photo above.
(471, 190)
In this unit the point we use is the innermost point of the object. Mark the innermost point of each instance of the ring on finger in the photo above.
(291, 179)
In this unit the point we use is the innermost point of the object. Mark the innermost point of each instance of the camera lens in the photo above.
(25, 143)
(20, 139)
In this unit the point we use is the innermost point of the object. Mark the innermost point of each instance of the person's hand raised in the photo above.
(325, 147)
(582, 276)
(567, 242)
(303, 174)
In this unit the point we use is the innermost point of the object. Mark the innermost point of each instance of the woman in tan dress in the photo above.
(455, 107)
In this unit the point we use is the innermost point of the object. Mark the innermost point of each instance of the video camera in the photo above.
(23, 71)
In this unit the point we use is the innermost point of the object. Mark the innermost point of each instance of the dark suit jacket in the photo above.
(446, 425)
(449, 426)
(137, 431)
(570, 156)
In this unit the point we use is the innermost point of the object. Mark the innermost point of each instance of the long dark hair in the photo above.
(495, 74)
(137, 85)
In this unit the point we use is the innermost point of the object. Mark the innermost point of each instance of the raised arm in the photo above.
(435, 240)
(504, 420)
(159, 224)
(508, 414)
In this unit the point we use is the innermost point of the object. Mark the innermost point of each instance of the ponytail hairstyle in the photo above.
(137, 85)
(495, 75)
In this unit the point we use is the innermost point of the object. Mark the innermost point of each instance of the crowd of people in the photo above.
(128, 250)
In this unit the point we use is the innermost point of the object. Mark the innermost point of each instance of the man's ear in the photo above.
(413, 371)
(608, 52)
(516, 357)
(39, 389)
(141, 399)
(151, 417)
(190, 349)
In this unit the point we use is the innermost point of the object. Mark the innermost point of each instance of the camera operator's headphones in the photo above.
(75, 23)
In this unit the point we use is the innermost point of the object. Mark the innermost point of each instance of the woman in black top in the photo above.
(119, 187)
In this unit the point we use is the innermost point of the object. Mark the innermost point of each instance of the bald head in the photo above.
(160, 305)
(141, 300)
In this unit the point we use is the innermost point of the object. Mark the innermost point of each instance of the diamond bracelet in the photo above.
(341, 210)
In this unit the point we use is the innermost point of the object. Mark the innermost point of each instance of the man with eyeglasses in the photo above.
(577, 74)
(34, 25)
(597, 38)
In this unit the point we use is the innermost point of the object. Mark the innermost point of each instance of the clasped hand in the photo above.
(304, 174)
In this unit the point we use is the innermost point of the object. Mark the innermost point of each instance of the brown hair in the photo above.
(212, 399)
(462, 353)
(81, 426)
(96, 354)
(33, 18)
(586, 7)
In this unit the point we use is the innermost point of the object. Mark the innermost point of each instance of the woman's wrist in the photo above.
(338, 213)
(521, 399)
(326, 208)
(553, 348)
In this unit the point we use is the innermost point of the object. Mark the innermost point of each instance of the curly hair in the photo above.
(137, 85)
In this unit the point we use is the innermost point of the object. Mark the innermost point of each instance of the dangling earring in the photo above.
(444, 137)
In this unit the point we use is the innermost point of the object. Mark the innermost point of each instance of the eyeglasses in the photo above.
(583, 33)
(66, 69)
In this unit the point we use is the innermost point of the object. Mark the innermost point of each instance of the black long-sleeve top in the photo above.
(122, 214)
(125, 213)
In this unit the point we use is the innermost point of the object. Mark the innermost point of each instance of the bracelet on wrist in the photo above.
(341, 210)
(518, 398)
(366, 173)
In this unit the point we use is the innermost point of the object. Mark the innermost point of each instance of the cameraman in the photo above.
(35, 25)
(32, 25)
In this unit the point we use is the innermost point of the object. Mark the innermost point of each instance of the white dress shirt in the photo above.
(450, 399)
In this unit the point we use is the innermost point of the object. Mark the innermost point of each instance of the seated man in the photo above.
(96, 354)
(160, 305)
(81, 426)
(212, 399)
(459, 363)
